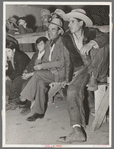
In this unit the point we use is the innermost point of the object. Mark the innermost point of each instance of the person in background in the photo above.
(45, 17)
(89, 52)
(16, 61)
(51, 70)
(24, 29)
(36, 59)
(12, 26)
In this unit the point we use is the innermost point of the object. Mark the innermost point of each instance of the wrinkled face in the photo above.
(74, 25)
(9, 53)
(53, 31)
(45, 19)
(41, 46)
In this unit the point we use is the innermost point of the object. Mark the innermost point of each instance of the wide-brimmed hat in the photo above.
(45, 12)
(11, 39)
(79, 14)
(59, 12)
(12, 20)
(58, 22)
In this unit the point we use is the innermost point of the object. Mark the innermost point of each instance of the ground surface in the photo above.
(46, 131)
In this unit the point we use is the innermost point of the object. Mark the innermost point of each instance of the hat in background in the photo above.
(45, 12)
(59, 12)
(58, 22)
(11, 39)
(13, 20)
(79, 14)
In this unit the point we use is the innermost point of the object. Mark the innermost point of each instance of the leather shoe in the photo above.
(35, 116)
(78, 135)
(25, 111)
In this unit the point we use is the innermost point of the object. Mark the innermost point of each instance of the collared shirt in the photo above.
(78, 41)
(52, 48)
(40, 54)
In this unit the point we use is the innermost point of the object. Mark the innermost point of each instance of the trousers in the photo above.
(75, 94)
(36, 89)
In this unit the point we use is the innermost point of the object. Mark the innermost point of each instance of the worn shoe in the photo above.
(78, 135)
(25, 111)
(92, 85)
(35, 116)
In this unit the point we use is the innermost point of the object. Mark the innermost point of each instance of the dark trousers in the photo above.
(75, 93)
(13, 88)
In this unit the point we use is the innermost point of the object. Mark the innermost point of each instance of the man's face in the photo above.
(41, 46)
(21, 22)
(9, 53)
(53, 31)
(45, 19)
(74, 25)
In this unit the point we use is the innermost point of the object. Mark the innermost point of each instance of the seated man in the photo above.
(45, 17)
(16, 63)
(89, 51)
(51, 70)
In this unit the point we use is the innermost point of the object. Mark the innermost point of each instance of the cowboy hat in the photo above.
(58, 22)
(45, 12)
(79, 14)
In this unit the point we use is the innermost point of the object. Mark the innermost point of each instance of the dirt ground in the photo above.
(46, 131)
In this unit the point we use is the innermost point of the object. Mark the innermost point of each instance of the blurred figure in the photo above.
(11, 25)
(23, 29)
(45, 17)
(16, 61)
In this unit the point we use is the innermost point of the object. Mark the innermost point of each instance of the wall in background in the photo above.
(21, 10)
(100, 14)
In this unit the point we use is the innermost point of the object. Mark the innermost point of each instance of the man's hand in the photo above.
(86, 48)
(7, 78)
(38, 67)
(25, 76)
(64, 83)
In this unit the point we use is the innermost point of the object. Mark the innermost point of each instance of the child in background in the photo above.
(31, 67)
(36, 59)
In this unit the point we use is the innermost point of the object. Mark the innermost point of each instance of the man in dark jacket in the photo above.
(89, 52)
(17, 61)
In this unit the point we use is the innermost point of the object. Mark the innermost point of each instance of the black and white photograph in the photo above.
(57, 71)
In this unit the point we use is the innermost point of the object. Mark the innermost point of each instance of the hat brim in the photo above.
(81, 16)
(62, 31)
(11, 39)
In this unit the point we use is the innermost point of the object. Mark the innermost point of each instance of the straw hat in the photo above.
(79, 14)
(58, 22)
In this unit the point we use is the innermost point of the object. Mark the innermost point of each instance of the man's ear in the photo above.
(59, 32)
(14, 50)
(81, 23)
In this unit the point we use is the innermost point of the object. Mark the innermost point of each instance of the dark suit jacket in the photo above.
(101, 39)
(60, 59)
(20, 62)
(31, 64)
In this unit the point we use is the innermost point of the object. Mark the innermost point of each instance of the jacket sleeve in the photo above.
(20, 66)
(102, 39)
(67, 64)
(22, 30)
(58, 63)
(30, 66)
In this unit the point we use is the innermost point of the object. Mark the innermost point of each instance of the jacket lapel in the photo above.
(56, 49)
